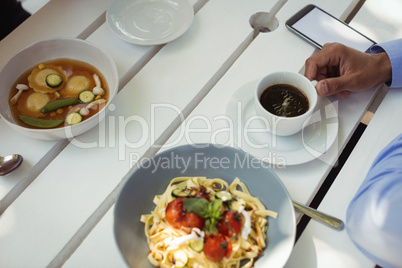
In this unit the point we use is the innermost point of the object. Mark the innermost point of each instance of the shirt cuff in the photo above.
(394, 52)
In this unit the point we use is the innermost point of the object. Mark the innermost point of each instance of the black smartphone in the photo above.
(319, 27)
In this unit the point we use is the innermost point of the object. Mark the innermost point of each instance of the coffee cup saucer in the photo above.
(314, 141)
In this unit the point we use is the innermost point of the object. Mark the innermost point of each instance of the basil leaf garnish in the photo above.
(216, 205)
(210, 211)
(197, 205)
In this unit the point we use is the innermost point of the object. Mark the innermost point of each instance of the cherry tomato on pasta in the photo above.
(177, 216)
(230, 224)
(217, 246)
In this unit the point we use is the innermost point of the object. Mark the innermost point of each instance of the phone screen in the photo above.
(322, 28)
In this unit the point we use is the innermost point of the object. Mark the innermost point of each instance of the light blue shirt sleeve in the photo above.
(374, 216)
(394, 51)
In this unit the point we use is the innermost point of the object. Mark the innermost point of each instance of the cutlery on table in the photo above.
(9, 163)
(321, 217)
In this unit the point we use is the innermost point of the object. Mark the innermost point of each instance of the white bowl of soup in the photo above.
(57, 88)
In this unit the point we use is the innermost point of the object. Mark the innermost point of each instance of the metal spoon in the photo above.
(330, 221)
(9, 163)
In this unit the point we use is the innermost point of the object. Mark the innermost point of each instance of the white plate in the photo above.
(318, 135)
(150, 22)
(211, 161)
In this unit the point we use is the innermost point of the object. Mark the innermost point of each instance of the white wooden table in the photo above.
(51, 217)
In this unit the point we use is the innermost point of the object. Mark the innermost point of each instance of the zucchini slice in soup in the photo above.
(54, 80)
(86, 96)
(73, 118)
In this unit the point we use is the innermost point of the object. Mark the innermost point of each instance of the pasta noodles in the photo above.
(166, 242)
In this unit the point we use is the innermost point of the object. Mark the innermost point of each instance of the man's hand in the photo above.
(341, 69)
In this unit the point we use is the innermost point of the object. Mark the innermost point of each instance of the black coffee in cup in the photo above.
(284, 100)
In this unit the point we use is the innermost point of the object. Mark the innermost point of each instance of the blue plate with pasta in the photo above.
(224, 197)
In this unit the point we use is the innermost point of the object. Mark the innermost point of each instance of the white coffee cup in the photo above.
(281, 125)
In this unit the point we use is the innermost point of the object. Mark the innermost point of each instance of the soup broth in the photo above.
(54, 89)
(284, 100)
